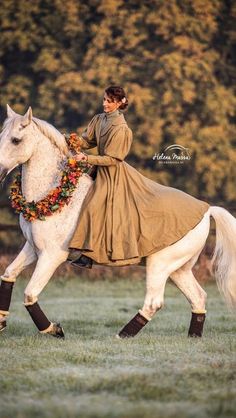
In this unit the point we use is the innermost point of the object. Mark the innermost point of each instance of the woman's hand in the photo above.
(81, 157)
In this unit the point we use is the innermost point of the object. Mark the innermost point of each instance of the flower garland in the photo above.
(57, 198)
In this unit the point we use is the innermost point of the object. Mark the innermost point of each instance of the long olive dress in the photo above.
(126, 216)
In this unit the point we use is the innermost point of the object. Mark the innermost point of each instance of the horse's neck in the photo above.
(42, 171)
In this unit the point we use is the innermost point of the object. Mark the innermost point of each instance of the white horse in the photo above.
(42, 151)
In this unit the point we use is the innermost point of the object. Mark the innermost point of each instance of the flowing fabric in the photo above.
(126, 216)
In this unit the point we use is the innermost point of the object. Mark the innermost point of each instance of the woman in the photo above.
(126, 216)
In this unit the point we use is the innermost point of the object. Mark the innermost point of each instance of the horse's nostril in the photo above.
(15, 140)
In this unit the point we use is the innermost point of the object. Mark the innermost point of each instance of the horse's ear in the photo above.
(27, 118)
(10, 112)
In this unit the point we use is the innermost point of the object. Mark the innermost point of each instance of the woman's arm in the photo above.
(96, 159)
(87, 142)
(116, 149)
(88, 138)
(102, 160)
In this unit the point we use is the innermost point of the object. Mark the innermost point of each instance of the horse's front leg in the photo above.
(26, 257)
(45, 267)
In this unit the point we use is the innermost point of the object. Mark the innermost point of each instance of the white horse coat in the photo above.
(42, 151)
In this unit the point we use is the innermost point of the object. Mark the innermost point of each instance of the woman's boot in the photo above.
(82, 261)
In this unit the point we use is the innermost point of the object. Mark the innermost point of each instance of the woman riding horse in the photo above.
(126, 216)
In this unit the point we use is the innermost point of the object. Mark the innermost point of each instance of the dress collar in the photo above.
(113, 118)
(112, 115)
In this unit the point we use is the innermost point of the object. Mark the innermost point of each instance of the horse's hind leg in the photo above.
(24, 259)
(160, 266)
(46, 266)
(194, 293)
(188, 285)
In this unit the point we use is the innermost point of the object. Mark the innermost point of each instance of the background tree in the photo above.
(176, 60)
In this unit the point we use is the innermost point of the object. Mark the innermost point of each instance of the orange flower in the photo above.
(56, 198)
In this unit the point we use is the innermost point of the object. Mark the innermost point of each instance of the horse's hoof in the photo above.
(3, 325)
(194, 336)
(57, 331)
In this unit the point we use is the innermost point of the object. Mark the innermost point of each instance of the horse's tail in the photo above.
(223, 261)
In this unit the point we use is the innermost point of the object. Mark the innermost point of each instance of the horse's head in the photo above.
(16, 144)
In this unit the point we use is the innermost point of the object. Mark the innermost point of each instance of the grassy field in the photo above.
(160, 373)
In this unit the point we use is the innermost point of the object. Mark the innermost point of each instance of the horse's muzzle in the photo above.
(3, 173)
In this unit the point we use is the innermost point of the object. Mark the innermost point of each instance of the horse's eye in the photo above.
(15, 140)
(22, 126)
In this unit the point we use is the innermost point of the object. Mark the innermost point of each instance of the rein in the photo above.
(57, 198)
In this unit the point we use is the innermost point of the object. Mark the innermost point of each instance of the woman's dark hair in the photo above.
(117, 94)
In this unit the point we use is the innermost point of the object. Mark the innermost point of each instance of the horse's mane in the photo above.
(47, 130)
(53, 134)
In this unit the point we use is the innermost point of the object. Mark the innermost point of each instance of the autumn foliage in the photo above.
(174, 58)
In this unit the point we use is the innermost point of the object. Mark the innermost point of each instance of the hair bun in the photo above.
(117, 94)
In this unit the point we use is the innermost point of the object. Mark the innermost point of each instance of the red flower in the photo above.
(69, 180)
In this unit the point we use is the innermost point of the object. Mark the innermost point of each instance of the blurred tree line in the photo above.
(176, 60)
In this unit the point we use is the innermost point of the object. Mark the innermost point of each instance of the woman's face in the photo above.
(109, 105)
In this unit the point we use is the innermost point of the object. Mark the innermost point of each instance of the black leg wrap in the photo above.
(133, 327)
(5, 295)
(196, 325)
(39, 318)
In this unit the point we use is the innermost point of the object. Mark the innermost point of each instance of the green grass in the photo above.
(160, 373)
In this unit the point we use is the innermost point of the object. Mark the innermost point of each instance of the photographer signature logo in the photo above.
(173, 154)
